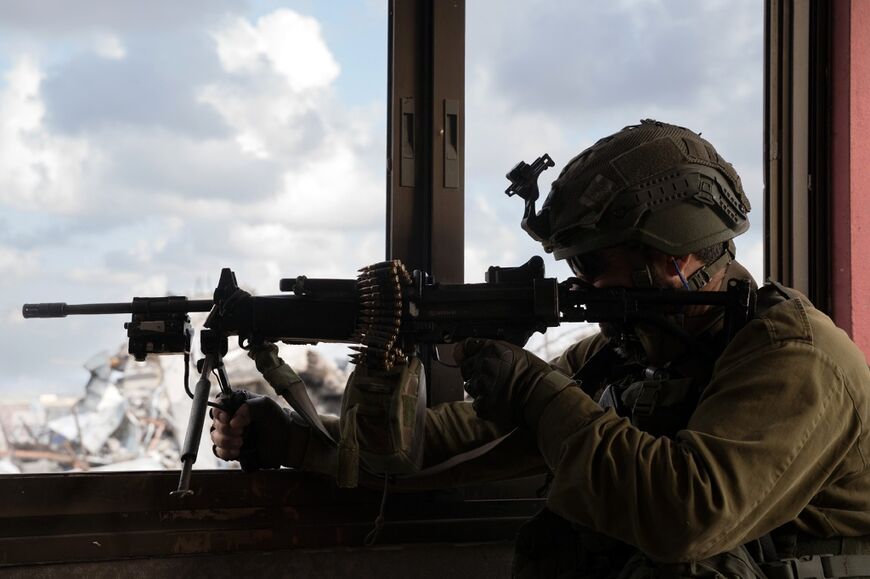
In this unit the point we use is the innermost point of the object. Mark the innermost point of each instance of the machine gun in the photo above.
(389, 314)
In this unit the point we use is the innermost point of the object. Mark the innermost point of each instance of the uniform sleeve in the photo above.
(454, 428)
(773, 425)
(574, 357)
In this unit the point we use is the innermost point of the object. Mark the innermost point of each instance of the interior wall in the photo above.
(850, 164)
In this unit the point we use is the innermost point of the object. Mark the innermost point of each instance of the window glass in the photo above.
(553, 77)
(143, 147)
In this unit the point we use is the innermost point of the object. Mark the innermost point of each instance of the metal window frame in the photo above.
(426, 153)
(797, 146)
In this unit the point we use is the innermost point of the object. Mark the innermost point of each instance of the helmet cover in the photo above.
(657, 184)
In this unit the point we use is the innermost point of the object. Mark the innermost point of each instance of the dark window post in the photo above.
(797, 145)
(426, 152)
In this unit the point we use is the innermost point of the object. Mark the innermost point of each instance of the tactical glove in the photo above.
(260, 434)
(276, 437)
(504, 380)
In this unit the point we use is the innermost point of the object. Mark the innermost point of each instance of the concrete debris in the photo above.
(6, 467)
(322, 376)
(133, 415)
(92, 428)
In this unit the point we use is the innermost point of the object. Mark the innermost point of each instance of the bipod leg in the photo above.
(195, 422)
(226, 389)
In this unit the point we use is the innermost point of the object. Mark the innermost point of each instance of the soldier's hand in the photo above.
(260, 434)
(500, 377)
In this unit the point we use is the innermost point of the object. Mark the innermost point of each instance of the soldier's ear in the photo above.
(675, 269)
(678, 264)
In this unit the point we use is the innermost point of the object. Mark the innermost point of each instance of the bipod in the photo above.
(214, 347)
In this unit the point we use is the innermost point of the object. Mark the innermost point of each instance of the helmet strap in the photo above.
(679, 271)
(701, 277)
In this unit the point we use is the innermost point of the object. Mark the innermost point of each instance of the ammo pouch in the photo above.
(381, 423)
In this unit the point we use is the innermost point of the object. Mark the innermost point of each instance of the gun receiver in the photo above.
(512, 304)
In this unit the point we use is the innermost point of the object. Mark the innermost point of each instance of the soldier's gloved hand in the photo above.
(260, 434)
(501, 378)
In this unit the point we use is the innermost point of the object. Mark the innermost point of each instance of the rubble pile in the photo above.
(133, 415)
(123, 416)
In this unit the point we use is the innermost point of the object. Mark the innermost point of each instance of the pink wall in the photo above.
(851, 169)
(860, 171)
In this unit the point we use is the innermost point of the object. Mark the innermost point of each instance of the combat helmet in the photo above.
(653, 183)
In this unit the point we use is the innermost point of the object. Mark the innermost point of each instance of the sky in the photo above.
(144, 146)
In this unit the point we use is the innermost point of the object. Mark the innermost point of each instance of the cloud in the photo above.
(143, 146)
(88, 93)
(52, 17)
(109, 46)
(527, 132)
(137, 163)
(278, 94)
(269, 251)
(750, 253)
(544, 77)
(155, 162)
(38, 169)
(279, 101)
(134, 281)
(595, 67)
(16, 265)
(283, 42)
(613, 56)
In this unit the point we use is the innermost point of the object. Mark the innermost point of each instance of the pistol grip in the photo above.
(248, 453)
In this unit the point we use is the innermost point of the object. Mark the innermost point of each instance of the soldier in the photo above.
(671, 453)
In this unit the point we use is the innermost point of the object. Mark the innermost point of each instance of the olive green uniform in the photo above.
(779, 435)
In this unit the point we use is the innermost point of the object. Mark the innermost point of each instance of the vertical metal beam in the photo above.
(426, 152)
(841, 207)
(819, 154)
(775, 264)
(799, 89)
(447, 247)
(797, 127)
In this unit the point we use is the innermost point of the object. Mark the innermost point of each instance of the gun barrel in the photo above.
(148, 305)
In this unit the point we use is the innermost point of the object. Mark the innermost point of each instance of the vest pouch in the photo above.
(381, 422)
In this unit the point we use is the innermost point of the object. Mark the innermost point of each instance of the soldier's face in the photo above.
(615, 266)
(609, 267)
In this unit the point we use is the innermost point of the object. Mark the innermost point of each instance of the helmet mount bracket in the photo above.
(524, 184)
